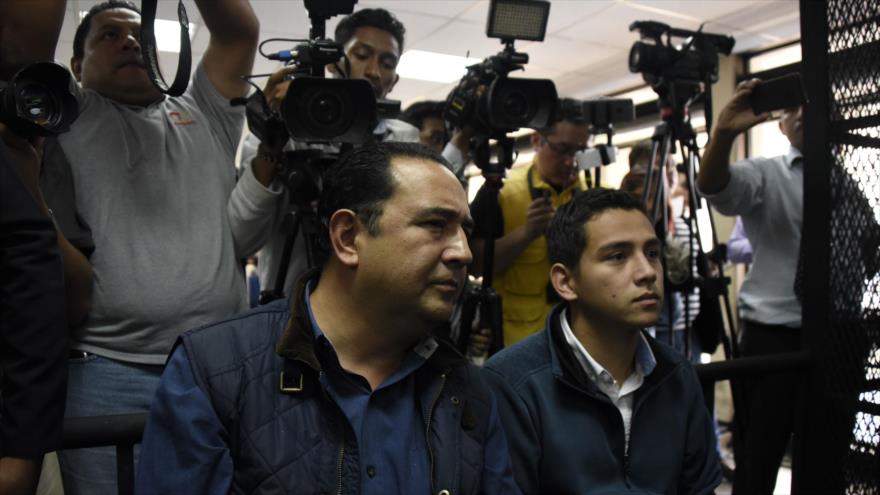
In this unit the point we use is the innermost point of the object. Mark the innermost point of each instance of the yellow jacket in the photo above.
(523, 286)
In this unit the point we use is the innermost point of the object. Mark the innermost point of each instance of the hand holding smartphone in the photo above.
(779, 93)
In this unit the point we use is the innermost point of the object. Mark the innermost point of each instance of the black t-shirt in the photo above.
(33, 323)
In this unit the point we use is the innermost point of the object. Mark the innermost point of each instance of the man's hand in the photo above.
(737, 116)
(538, 217)
(478, 342)
(276, 87)
(26, 157)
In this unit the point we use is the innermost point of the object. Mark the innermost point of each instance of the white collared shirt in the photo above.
(621, 395)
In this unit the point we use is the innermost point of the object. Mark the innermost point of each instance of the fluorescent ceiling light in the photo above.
(432, 66)
(167, 33)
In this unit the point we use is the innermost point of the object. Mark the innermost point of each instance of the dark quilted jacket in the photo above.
(286, 435)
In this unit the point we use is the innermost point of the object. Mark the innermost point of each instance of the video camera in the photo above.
(316, 109)
(677, 70)
(486, 97)
(39, 100)
(601, 114)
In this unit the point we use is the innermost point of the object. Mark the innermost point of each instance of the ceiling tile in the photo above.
(570, 55)
(585, 51)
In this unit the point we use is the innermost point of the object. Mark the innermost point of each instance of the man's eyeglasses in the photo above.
(562, 149)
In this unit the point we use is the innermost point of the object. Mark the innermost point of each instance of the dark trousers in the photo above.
(768, 416)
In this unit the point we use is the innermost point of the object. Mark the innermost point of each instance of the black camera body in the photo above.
(316, 109)
(39, 100)
(492, 102)
(682, 71)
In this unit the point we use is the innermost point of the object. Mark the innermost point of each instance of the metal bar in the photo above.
(100, 431)
(125, 468)
(840, 127)
(812, 445)
(756, 365)
(857, 140)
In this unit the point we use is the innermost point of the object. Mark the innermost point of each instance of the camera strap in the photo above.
(148, 48)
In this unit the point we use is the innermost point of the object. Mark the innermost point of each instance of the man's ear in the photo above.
(536, 140)
(344, 228)
(563, 282)
(76, 68)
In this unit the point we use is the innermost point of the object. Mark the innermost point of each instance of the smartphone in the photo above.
(779, 93)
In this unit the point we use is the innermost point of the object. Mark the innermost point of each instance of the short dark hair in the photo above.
(361, 181)
(377, 18)
(567, 233)
(82, 31)
(567, 110)
(416, 113)
(640, 154)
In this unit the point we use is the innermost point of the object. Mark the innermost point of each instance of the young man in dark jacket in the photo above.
(343, 388)
(592, 404)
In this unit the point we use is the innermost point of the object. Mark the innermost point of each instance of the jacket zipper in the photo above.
(339, 464)
(428, 427)
(632, 419)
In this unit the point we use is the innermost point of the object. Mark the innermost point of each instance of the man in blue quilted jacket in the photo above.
(345, 387)
(592, 404)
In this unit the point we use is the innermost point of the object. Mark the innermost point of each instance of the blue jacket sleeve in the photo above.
(521, 432)
(184, 445)
(497, 468)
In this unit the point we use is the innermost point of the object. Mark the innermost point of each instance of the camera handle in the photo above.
(484, 299)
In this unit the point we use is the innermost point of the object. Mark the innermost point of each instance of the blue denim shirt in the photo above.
(387, 424)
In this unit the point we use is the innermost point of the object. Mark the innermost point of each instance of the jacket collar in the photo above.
(568, 370)
(297, 342)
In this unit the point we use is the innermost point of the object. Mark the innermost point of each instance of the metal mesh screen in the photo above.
(851, 364)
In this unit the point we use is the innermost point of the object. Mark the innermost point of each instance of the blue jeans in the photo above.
(98, 386)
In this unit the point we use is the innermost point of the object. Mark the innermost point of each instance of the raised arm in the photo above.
(735, 118)
(232, 47)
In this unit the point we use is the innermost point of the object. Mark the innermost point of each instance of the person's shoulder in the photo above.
(523, 359)
(235, 338)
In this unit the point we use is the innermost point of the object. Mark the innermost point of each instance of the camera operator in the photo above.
(369, 400)
(373, 40)
(427, 116)
(152, 176)
(768, 194)
(527, 201)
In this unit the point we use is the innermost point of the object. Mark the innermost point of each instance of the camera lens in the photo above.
(326, 108)
(37, 104)
(516, 106)
(39, 100)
